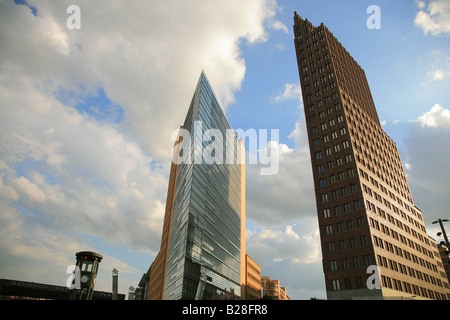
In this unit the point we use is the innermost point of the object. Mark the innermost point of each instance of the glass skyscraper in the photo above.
(204, 230)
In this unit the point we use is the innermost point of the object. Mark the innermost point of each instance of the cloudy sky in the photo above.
(86, 117)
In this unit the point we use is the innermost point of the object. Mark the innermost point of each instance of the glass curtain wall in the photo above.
(205, 240)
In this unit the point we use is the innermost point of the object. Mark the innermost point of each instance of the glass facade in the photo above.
(205, 241)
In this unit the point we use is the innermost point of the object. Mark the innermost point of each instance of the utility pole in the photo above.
(443, 230)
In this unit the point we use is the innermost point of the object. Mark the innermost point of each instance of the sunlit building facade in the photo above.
(272, 290)
(366, 213)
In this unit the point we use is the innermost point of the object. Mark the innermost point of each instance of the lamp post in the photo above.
(115, 286)
(440, 221)
(87, 264)
(131, 291)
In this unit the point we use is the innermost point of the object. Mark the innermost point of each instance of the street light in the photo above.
(440, 221)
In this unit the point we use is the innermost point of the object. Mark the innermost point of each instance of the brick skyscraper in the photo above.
(365, 209)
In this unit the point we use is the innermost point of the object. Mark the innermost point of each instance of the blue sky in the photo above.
(87, 116)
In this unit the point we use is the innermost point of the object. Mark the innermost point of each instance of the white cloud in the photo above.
(292, 255)
(435, 19)
(436, 117)
(297, 246)
(64, 173)
(291, 91)
(288, 195)
(421, 4)
(140, 53)
(438, 75)
(278, 25)
(439, 68)
(426, 155)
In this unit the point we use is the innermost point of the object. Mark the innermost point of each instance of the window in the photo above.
(332, 179)
(330, 165)
(347, 207)
(356, 262)
(328, 229)
(322, 183)
(367, 260)
(316, 142)
(337, 210)
(331, 247)
(350, 226)
(315, 130)
(351, 173)
(326, 213)
(333, 265)
(335, 285)
(359, 282)
(345, 264)
(318, 155)
(360, 222)
(334, 194)
(320, 168)
(87, 266)
(352, 242)
(324, 197)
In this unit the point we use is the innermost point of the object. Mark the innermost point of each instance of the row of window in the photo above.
(393, 207)
(404, 227)
(347, 244)
(383, 244)
(403, 269)
(404, 286)
(376, 150)
(353, 263)
(387, 282)
(339, 227)
(323, 182)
